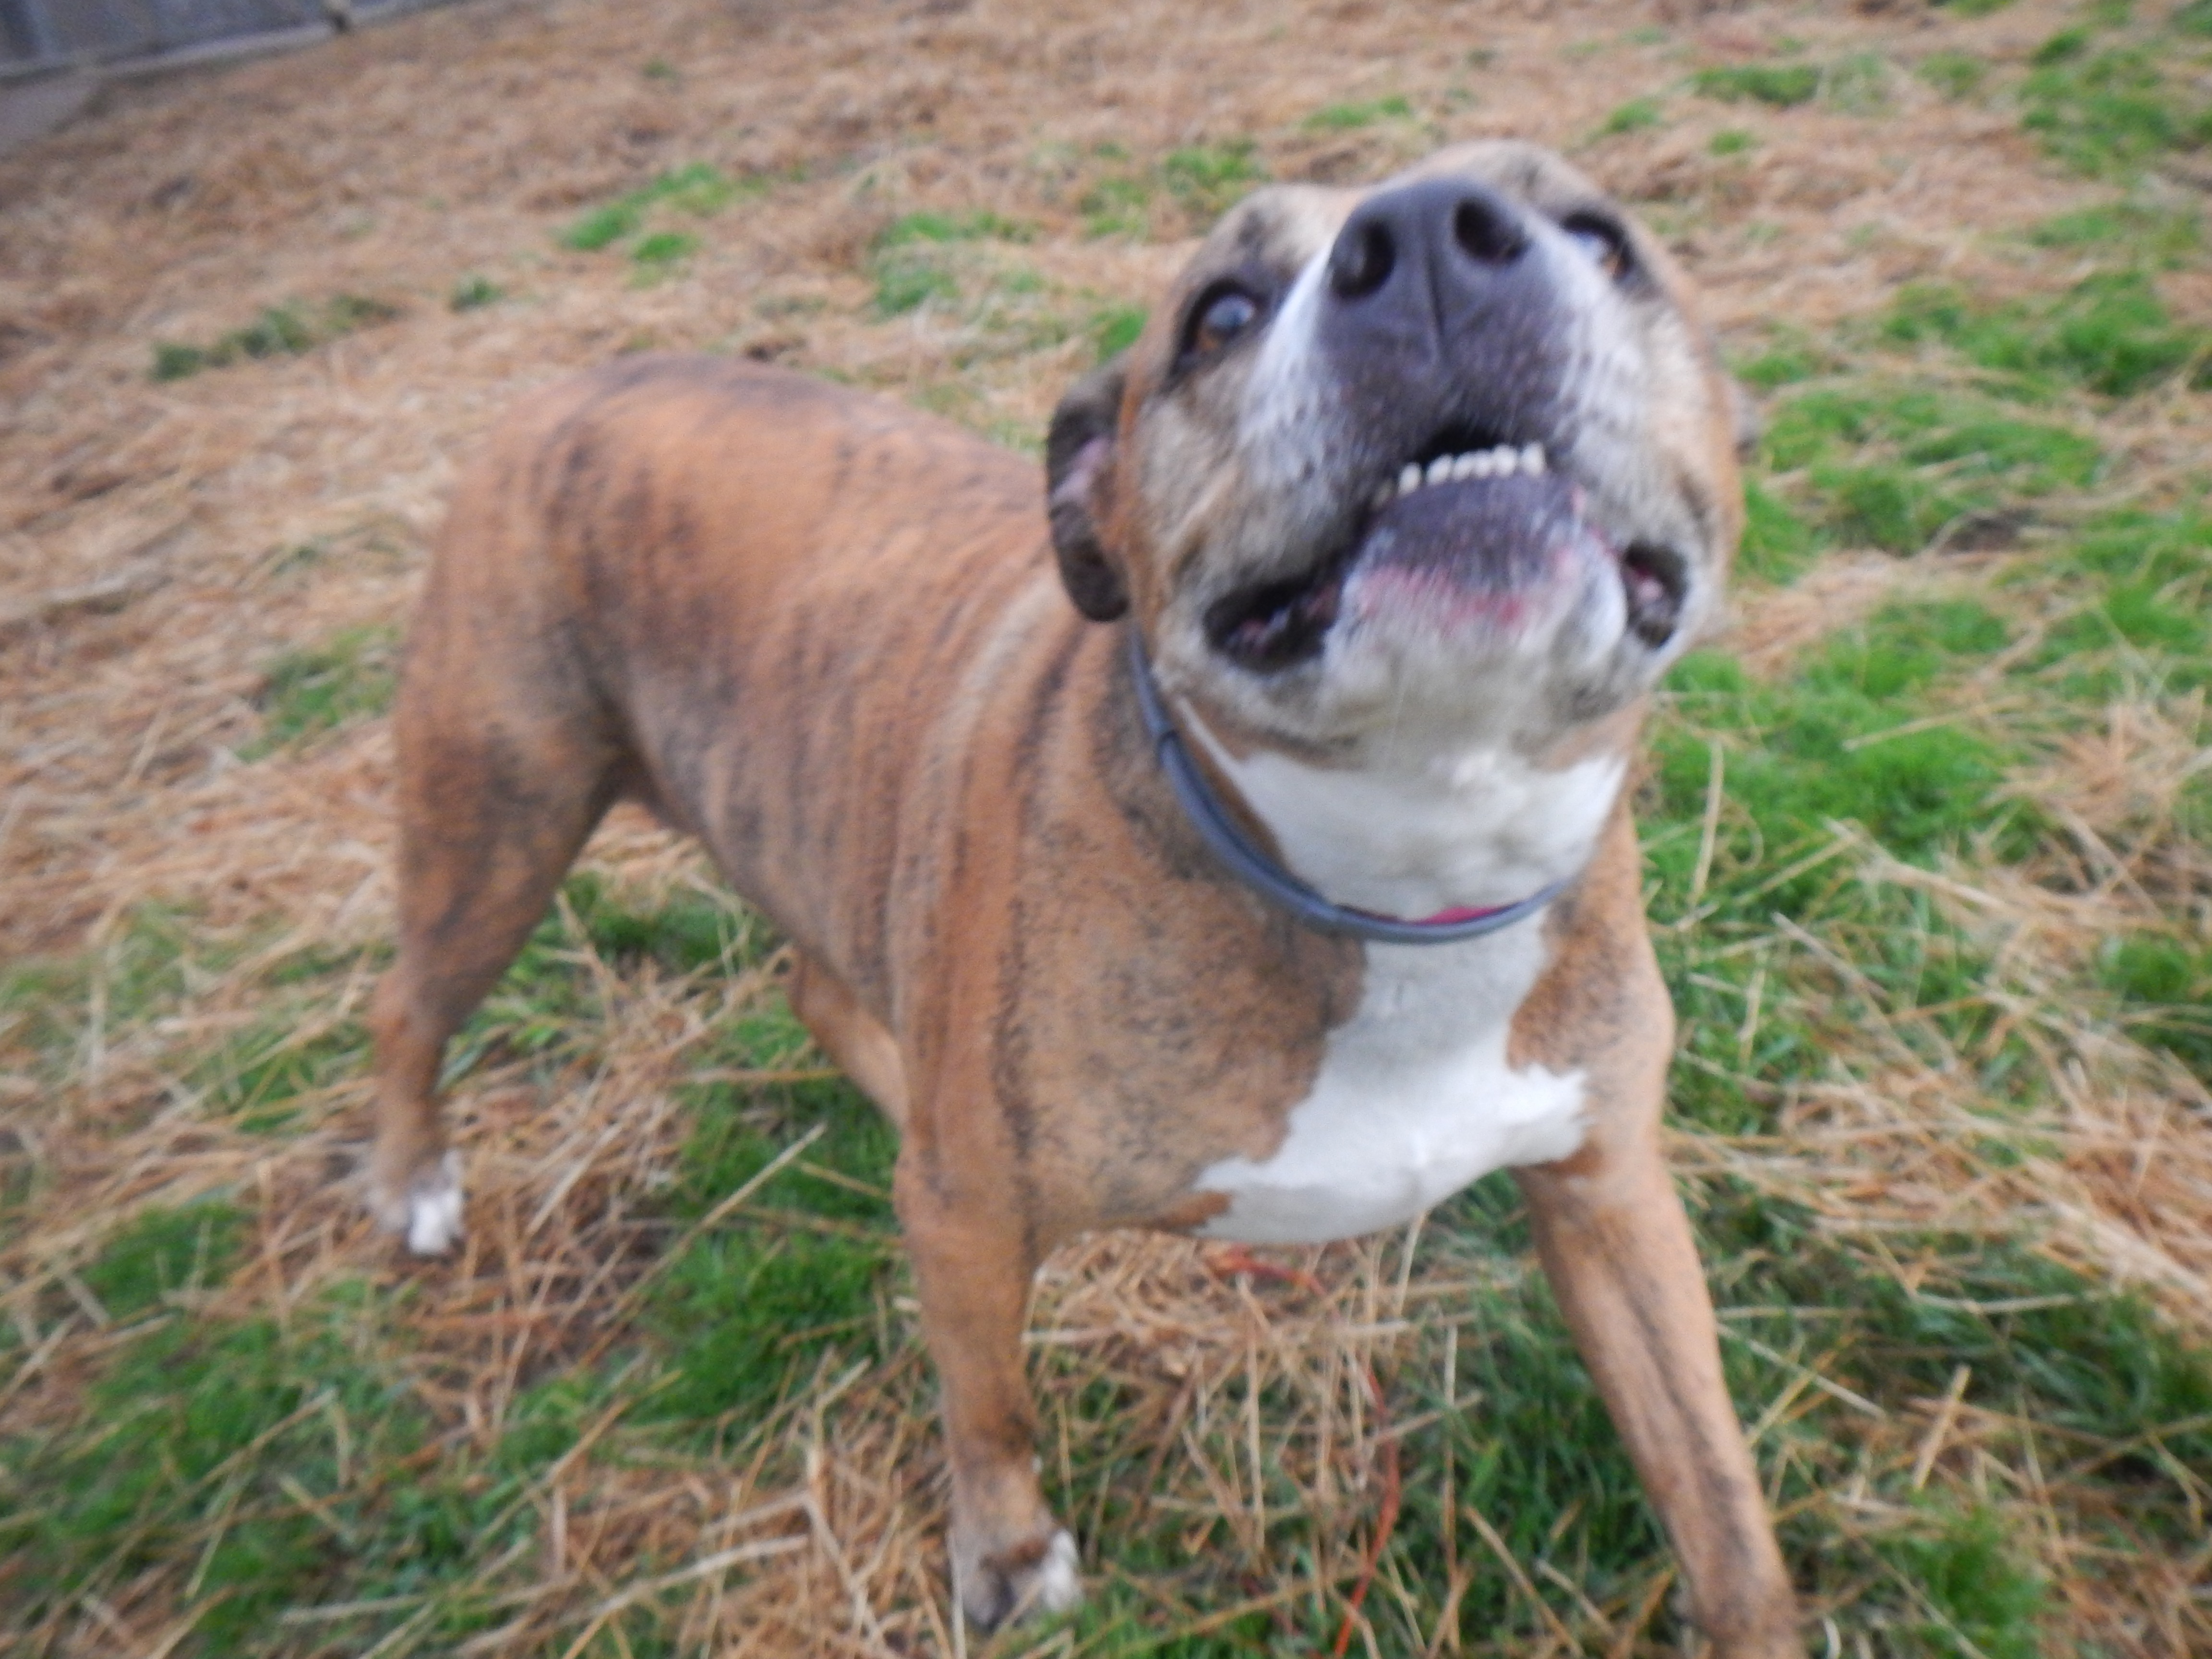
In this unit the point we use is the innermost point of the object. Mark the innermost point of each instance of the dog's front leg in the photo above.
(973, 1267)
(1617, 1246)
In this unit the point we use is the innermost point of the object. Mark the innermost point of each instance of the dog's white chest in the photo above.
(1414, 1099)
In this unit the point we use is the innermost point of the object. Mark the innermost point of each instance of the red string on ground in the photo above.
(1238, 1260)
(1386, 1519)
(1235, 1259)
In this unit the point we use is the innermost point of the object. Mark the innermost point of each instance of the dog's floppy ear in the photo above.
(1078, 469)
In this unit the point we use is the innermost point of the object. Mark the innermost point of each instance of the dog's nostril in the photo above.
(1486, 233)
(1361, 260)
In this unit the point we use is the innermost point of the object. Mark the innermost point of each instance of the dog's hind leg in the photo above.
(853, 1038)
(505, 767)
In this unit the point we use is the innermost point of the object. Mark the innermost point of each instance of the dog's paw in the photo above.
(428, 1210)
(1037, 1576)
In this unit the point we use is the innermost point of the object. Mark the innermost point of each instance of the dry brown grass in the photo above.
(148, 575)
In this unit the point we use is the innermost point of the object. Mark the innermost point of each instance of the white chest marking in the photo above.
(1414, 1100)
(1415, 1097)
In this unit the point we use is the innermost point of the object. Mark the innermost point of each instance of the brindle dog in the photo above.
(1278, 888)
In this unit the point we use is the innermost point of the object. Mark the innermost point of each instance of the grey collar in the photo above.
(1268, 878)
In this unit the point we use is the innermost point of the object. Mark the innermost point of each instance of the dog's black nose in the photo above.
(1442, 314)
(1450, 237)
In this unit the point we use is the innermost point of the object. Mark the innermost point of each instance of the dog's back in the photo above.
(649, 561)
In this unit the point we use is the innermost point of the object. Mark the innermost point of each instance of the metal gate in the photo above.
(37, 33)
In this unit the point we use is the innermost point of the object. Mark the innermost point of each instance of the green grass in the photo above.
(257, 1076)
(1778, 545)
(1636, 115)
(1180, 194)
(698, 191)
(1834, 742)
(1116, 329)
(285, 331)
(473, 293)
(2111, 333)
(1953, 74)
(1782, 85)
(163, 1253)
(2164, 989)
(1978, 1595)
(200, 1440)
(1208, 179)
(1892, 465)
(547, 1004)
(1118, 205)
(663, 247)
(288, 1463)
(2139, 234)
(1976, 439)
(1348, 117)
(305, 693)
(139, 968)
(917, 259)
(751, 1309)
(1858, 84)
(2110, 112)
(934, 227)
(1733, 141)
(1790, 355)
(1528, 1447)
(904, 285)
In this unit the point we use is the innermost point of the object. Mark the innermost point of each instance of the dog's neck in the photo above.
(1401, 832)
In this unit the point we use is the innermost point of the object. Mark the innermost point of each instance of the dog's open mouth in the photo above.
(1471, 519)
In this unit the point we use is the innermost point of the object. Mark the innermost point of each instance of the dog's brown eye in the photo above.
(1222, 318)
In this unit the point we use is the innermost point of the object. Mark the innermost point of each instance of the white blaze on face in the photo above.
(1285, 424)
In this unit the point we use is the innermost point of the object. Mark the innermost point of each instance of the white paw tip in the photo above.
(1058, 1584)
(434, 1208)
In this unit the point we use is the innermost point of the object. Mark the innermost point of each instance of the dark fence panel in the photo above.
(33, 31)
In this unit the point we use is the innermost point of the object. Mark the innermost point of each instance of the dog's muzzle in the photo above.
(1446, 330)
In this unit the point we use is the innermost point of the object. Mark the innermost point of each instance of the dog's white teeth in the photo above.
(1503, 461)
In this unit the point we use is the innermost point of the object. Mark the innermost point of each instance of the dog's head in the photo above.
(1451, 455)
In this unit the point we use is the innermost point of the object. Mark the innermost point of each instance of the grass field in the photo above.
(1929, 833)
